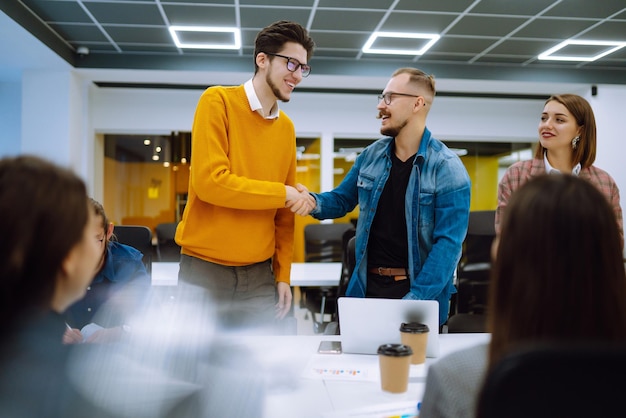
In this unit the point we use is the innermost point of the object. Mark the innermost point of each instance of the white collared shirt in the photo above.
(255, 103)
(551, 170)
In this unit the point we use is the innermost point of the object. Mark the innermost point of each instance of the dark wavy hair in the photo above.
(558, 273)
(272, 38)
(44, 212)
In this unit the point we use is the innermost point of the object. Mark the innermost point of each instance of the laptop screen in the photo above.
(367, 323)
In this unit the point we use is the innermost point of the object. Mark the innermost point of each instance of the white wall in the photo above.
(10, 118)
(608, 106)
(50, 118)
(115, 110)
(142, 111)
(451, 118)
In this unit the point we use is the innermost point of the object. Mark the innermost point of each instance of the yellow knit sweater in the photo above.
(240, 162)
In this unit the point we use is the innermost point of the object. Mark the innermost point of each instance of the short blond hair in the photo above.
(420, 78)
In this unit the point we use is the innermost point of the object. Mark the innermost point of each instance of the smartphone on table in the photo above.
(329, 347)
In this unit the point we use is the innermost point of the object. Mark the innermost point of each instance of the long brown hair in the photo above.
(44, 212)
(558, 272)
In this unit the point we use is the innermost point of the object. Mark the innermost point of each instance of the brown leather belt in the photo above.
(397, 273)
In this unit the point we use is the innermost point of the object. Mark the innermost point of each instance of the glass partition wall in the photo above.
(146, 176)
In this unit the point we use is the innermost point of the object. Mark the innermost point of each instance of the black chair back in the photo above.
(469, 304)
(139, 237)
(348, 262)
(558, 380)
(323, 243)
(475, 265)
(167, 249)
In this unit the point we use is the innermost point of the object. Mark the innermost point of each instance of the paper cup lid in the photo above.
(414, 327)
(395, 350)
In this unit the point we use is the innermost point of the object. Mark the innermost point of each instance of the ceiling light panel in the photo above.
(379, 43)
(206, 37)
(476, 35)
(580, 50)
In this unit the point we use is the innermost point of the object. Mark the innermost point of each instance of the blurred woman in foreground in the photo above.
(48, 256)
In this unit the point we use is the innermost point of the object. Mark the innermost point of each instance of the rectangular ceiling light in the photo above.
(369, 45)
(236, 34)
(612, 47)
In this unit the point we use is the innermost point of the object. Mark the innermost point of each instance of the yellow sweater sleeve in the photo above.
(240, 163)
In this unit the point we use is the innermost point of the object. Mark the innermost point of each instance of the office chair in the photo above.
(322, 243)
(167, 249)
(557, 380)
(138, 237)
(466, 323)
(348, 263)
(469, 303)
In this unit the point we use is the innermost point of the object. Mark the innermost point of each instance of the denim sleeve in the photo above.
(339, 201)
(450, 207)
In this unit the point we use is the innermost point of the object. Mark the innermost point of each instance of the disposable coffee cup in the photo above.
(395, 363)
(415, 335)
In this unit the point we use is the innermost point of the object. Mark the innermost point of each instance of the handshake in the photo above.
(299, 200)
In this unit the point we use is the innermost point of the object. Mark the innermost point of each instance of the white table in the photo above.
(294, 390)
(165, 273)
(315, 274)
(302, 274)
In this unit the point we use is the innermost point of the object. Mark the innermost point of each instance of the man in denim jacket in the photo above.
(414, 197)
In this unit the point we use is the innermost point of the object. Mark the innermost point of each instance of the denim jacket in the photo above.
(123, 269)
(436, 208)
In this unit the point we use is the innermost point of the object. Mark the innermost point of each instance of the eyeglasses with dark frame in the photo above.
(387, 96)
(293, 64)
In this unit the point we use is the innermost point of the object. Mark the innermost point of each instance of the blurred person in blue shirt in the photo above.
(118, 289)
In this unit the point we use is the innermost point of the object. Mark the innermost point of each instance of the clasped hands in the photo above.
(299, 200)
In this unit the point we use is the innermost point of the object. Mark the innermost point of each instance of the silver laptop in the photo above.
(366, 323)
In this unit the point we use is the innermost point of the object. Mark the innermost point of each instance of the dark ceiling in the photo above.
(492, 39)
(480, 39)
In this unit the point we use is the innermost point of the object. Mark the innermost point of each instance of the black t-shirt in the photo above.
(388, 243)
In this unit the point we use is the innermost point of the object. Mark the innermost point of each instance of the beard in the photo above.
(392, 131)
(279, 95)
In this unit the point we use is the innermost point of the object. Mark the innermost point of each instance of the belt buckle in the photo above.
(380, 271)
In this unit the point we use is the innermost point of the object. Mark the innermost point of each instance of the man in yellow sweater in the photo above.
(237, 229)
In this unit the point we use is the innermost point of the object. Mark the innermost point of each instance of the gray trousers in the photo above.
(245, 295)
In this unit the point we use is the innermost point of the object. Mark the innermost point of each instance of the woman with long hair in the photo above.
(567, 145)
(557, 276)
(48, 256)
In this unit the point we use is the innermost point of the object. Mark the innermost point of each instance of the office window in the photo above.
(145, 178)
